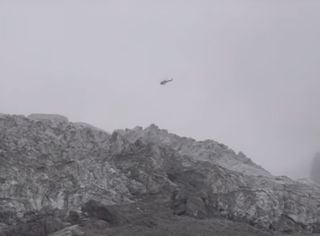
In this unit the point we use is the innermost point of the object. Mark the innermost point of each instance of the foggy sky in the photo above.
(246, 72)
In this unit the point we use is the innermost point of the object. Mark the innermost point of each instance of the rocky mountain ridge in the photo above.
(48, 164)
(207, 150)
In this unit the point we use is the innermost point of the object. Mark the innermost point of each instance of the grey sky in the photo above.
(247, 72)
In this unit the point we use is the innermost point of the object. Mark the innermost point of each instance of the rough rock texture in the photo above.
(82, 178)
(315, 169)
(207, 150)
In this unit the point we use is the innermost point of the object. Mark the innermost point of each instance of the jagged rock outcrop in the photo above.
(207, 150)
(47, 162)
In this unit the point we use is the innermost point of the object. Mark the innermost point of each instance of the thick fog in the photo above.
(246, 72)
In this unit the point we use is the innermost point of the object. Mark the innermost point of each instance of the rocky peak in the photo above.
(207, 150)
(153, 127)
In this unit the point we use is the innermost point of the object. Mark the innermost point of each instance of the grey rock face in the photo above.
(45, 164)
(64, 165)
(207, 150)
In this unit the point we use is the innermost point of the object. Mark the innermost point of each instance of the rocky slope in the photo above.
(64, 178)
(208, 150)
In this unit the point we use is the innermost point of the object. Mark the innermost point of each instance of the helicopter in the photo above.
(164, 82)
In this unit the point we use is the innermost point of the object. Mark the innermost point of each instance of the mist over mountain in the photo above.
(63, 178)
(315, 168)
(245, 72)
